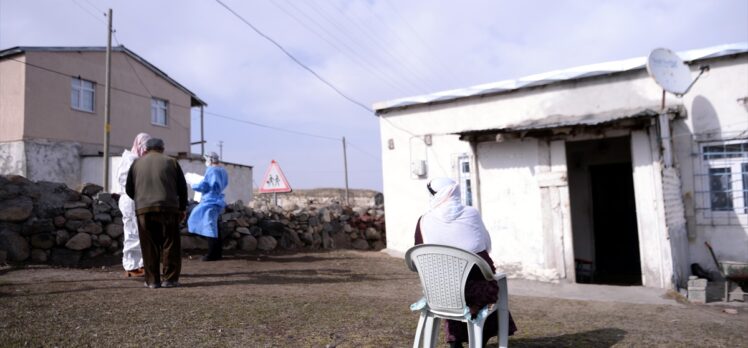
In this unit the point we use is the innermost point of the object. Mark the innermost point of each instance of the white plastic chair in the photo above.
(444, 271)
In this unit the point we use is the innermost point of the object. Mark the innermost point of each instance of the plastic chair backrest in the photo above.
(443, 271)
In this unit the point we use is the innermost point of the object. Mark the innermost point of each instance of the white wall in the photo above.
(53, 161)
(511, 207)
(714, 113)
(715, 95)
(240, 179)
(13, 158)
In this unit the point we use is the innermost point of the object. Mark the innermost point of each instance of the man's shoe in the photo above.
(139, 272)
(169, 284)
(152, 286)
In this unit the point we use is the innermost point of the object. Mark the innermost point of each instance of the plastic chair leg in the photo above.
(419, 330)
(503, 314)
(475, 335)
(431, 331)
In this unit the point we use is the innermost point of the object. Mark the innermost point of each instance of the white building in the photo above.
(567, 168)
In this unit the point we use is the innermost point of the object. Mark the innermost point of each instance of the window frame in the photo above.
(733, 163)
(82, 88)
(465, 179)
(155, 107)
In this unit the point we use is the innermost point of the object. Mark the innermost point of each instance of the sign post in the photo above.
(274, 181)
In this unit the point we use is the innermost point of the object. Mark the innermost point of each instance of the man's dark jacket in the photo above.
(156, 183)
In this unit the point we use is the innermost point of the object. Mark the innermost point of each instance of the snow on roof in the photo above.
(557, 76)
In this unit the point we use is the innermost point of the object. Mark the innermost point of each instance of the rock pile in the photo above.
(46, 222)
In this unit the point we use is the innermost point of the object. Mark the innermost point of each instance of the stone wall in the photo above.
(311, 197)
(44, 222)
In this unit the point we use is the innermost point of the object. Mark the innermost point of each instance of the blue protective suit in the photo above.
(204, 217)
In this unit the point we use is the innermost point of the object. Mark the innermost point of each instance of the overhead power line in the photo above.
(272, 127)
(345, 50)
(296, 60)
(136, 94)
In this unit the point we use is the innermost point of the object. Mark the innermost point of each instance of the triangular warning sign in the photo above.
(274, 180)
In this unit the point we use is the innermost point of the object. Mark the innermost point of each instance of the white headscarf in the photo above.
(138, 145)
(448, 222)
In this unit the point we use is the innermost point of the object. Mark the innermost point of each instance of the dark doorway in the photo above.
(614, 225)
(603, 211)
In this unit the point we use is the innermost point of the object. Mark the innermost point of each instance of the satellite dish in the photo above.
(669, 71)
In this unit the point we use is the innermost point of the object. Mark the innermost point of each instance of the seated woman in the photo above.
(449, 222)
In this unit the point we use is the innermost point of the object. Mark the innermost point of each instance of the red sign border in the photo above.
(273, 163)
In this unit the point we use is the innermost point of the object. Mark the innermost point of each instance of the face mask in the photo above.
(207, 163)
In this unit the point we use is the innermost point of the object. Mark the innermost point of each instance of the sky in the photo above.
(294, 98)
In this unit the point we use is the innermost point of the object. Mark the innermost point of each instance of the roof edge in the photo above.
(555, 76)
(13, 51)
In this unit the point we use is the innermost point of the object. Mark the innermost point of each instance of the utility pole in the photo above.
(202, 137)
(220, 150)
(107, 101)
(345, 167)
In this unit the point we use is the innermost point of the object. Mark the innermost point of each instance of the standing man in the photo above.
(157, 185)
(204, 218)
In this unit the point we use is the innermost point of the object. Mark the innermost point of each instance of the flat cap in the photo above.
(154, 143)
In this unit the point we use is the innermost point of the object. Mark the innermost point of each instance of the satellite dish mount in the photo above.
(674, 76)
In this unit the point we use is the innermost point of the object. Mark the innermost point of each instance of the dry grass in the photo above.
(342, 298)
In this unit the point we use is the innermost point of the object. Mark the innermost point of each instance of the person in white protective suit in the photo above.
(203, 219)
(132, 257)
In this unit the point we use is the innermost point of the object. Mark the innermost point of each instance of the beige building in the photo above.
(52, 109)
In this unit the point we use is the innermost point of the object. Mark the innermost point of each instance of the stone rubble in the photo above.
(44, 222)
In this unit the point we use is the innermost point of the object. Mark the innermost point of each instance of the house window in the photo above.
(159, 112)
(727, 166)
(82, 94)
(466, 194)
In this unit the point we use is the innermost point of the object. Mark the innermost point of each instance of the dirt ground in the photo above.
(330, 299)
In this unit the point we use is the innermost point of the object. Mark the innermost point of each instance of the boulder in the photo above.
(341, 241)
(91, 227)
(327, 242)
(95, 252)
(38, 255)
(255, 231)
(59, 221)
(62, 237)
(192, 243)
(34, 226)
(372, 234)
(105, 240)
(360, 244)
(90, 190)
(103, 218)
(15, 245)
(74, 205)
(243, 222)
(230, 244)
(81, 214)
(43, 240)
(273, 228)
(73, 225)
(50, 198)
(79, 242)
(266, 243)
(16, 209)
(65, 257)
(248, 243)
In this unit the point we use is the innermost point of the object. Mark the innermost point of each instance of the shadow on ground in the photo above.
(601, 338)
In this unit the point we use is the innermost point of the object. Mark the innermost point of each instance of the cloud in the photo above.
(370, 50)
